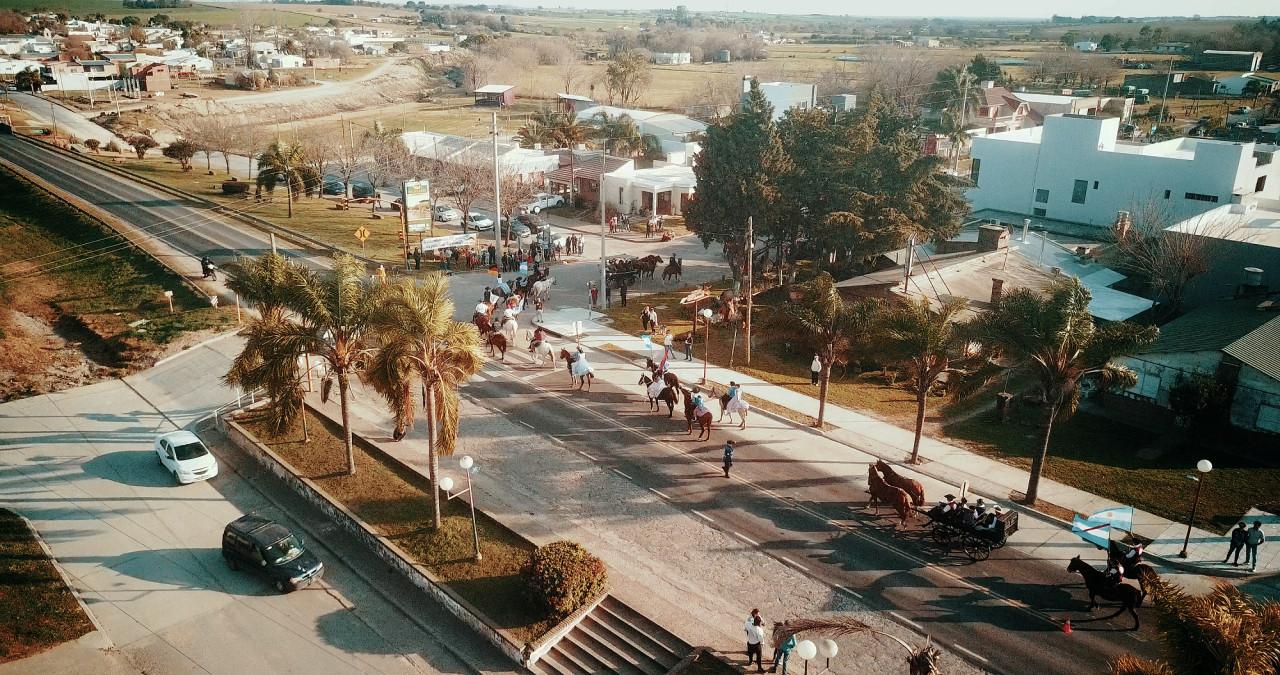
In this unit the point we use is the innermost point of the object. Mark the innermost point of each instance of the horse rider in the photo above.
(488, 294)
(733, 390)
(539, 336)
(206, 268)
(1131, 558)
(506, 290)
(1114, 573)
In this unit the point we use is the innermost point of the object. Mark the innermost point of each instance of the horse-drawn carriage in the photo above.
(950, 529)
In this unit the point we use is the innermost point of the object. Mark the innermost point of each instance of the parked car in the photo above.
(332, 185)
(445, 213)
(526, 223)
(479, 222)
(543, 201)
(190, 94)
(183, 455)
(254, 542)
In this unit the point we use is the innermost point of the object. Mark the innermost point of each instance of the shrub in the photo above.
(93, 144)
(141, 144)
(235, 188)
(112, 147)
(562, 576)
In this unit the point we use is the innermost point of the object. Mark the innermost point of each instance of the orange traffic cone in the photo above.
(1066, 626)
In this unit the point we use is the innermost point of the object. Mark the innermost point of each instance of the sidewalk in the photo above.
(944, 462)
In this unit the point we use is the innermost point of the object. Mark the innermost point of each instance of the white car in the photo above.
(479, 222)
(445, 213)
(182, 454)
(543, 201)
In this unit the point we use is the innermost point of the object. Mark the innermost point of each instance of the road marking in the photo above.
(621, 474)
(702, 515)
(907, 621)
(744, 538)
(658, 493)
(794, 564)
(479, 376)
(556, 440)
(530, 376)
(846, 590)
(586, 455)
(970, 653)
(525, 423)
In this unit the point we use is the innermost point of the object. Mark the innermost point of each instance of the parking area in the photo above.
(145, 553)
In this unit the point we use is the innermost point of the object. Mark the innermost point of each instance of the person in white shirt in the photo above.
(755, 643)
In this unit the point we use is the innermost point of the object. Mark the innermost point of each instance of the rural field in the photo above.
(215, 14)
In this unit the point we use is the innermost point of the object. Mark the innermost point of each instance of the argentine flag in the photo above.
(1098, 534)
(1119, 517)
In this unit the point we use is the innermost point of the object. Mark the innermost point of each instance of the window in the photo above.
(1042, 196)
(1095, 185)
(620, 199)
(1078, 191)
(1166, 194)
(1202, 198)
(1262, 182)
(1039, 213)
(973, 170)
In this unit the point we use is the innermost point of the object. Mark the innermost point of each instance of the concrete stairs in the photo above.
(613, 638)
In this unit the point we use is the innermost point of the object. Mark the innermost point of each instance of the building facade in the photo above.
(1073, 169)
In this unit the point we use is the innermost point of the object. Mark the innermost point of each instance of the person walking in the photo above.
(667, 340)
(688, 346)
(648, 228)
(622, 293)
(537, 311)
(1251, 543)
(644, 319)
(417, 258)
(1238, 537)
(728, 464)
(608, 296)
(595, 292)
(755, 643)
(815, 369)
(781, 648)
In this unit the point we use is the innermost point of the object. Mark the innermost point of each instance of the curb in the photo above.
(192, 348)
(66, 579)
(1023, 509)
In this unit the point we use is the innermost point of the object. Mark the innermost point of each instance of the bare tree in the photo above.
(477, 67)
(903, 75)
(465, 175)
(320, 149)
(568, 65)
(249, 136)
(214, 133)
(1168, 260)
(628, 77)
(348, 158)
(516, 192)
(389, 160)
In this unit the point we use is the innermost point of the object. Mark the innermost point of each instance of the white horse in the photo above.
(541, 352)
(542, 289)
(509, 328)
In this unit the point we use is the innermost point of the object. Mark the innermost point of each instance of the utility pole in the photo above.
(497, 198)
(53, 115)
(1164, 99)
(604, 278)
(751, 250)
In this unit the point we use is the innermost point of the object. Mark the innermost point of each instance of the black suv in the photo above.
(258, 543)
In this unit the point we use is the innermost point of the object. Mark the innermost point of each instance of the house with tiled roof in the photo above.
(999, 110)
(1236, 341)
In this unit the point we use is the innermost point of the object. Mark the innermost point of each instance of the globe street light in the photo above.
(706, 347)
(806, 650)
(1204, 466)
(468, 467)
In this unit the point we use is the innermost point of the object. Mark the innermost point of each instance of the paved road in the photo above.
(1002, 610)
(146, 554)
(323, 89)
(186, 226)
(69, 121)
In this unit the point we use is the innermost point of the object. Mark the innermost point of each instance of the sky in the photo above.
(945, 8)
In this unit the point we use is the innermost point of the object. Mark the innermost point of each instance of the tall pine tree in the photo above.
(736, 171)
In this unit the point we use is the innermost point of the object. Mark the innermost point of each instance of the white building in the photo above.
(1236, 84)
(530, 165)
(261, 53)
(1044, 105)
(1085, 46)
(674, 132)
(286, 61)
(664, 189)
(672, 58)
(1073, 169)
(927, 42)
(13, 67)
(785, 95)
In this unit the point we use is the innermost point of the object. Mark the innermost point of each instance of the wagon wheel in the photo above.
(942, 535)
(1004, 539)
(977, 548)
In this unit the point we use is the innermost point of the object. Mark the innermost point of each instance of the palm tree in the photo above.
(1224, 632)
(953, 130)
(1054, 340)
(332, 313)
(619, 135)
(552, 128)
(29, 79)
(283, 159)
(956, 87)
(924, 343)
(423, 348)
(263, 281)
(823, 322)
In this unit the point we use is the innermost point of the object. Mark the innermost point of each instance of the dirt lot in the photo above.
(77, 306)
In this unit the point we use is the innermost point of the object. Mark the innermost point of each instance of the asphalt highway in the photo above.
(186, 226)
(1003, 614)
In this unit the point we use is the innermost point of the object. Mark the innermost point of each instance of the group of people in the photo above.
(979, 515)
(1246, 540)
(756, 637)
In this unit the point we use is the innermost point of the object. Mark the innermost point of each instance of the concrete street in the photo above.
(69, 122)
(146, 557)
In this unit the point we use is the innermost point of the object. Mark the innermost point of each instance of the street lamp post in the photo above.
(468, 467)
(706, 340)
(807, 650)
(1204, 466)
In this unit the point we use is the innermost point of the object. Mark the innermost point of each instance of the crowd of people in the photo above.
(484, 257)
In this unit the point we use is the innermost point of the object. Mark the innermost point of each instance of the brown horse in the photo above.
(691, 415)
(497, 341)
(671, 272)
(482, 324)
(568, 362)
(1097, 585)
(648, 265)
(882, 492)
(668, 378)
(912, 486)
(667, 395)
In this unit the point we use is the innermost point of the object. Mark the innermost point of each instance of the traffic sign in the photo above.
(362, 233)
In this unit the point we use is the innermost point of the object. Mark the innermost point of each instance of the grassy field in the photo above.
(1083, 451)
(213, 14)
(37, 610)
(63, 275)
(397, 504)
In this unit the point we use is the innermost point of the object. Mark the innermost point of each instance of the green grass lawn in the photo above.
(397, 504)
(79, 267)
(37, 610)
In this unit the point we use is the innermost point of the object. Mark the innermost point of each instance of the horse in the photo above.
(912, 487)
(883, 492)
(1096, 583)
(542, 289)
(497, 341)
(541, 352)
(648, 265)
(691, 415)
(668, 378)
(568, 360)
(482, 324)
(672, 271)
(509, 328)
(665, 395)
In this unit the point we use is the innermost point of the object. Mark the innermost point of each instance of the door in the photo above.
(646, 200)
(664, 204)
